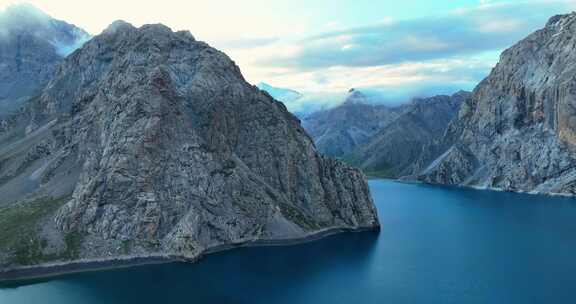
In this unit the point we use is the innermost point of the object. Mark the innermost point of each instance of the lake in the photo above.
(437, 245)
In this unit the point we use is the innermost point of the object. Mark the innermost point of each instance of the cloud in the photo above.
(77, 40)
(392, 84)
(319, 49)
(464, 32)
(409, 77)
(246, 42)
(63, 37)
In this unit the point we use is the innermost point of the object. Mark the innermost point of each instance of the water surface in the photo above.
(437, 245)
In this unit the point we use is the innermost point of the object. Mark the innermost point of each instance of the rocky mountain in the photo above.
(339, 130)
(393, 149)
(518, 131)
(148, 143)
(31, 45)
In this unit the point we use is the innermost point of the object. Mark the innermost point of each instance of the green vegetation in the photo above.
(28, 252)
(379, 171)
(20, 221)
(298, 217)
(20, 237)
(351, 160)
(73, 242)
(152, 244)
(125, 247)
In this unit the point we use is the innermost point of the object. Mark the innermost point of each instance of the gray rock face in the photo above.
(167, 150)
(31, 45)
(393, 150)
(518, 131)
(338, 131)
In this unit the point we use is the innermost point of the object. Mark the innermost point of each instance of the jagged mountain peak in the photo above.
(155, 138)
(462, 93)
(559, 20)
(124, 52)
(455, 99)
(156, 31)
(355, 97)
(118, 25)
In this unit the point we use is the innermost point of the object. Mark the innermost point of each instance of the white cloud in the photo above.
(250, 31)
(398, 54)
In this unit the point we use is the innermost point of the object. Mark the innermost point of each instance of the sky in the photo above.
(402, 48)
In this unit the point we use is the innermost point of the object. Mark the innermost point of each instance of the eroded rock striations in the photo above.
(518, 131)
(165, 150)
(31, 46)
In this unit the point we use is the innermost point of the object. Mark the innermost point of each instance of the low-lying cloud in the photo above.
(25, 18)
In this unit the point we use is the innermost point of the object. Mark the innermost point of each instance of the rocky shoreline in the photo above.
(480, 188)
(52, 270)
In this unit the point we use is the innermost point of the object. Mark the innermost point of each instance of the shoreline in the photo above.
(55, 270)
(477, 188)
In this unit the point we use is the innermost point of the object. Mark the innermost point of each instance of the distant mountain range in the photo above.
(381, 139)
(392, 151)
(339, 130)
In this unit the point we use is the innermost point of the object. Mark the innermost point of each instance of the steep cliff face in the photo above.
(517, 132)
(393, 150)
(31, 45)
(338, 131)
(157, 145)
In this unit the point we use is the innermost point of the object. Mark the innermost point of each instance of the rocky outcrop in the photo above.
(31, 45)
(165, 149)
(392, 150)
(340, 130)
(518, 131)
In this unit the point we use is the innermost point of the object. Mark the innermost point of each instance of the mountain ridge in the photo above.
(158, 146)
(517, 131)
(393, 149)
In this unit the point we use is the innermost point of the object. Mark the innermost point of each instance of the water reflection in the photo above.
(246, 275)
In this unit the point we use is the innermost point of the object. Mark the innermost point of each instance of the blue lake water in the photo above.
(437, 245)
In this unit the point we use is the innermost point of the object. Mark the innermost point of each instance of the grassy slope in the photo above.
(20, 233)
